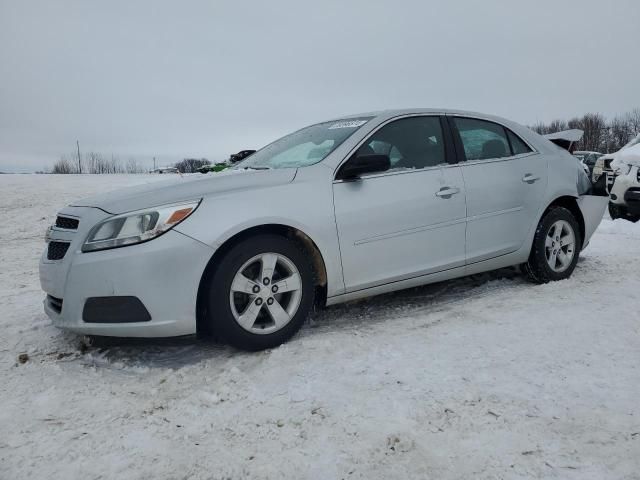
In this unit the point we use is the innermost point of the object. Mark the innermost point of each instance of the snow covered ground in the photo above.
(486, 377)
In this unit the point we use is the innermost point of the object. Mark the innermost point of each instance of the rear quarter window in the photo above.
(517, 144)
(482, 140)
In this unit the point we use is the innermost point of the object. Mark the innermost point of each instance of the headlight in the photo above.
(136, 227)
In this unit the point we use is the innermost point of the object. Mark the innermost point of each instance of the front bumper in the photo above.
(164, 274)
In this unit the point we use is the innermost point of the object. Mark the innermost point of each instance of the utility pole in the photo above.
(79, 163)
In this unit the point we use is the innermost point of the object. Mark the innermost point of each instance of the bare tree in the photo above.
(593, 125)
(553, 127)
(618, 133)
(558, 126)
(65, 165)
(633, 119)
(133, 166)
(599, 134)
(191, 165)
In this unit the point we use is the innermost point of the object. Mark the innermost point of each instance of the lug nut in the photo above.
(274, 289)
(258, 301)
(256, 289)
(270, 301)
(265, 280)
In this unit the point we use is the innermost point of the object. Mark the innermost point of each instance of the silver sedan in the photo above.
(336, 211)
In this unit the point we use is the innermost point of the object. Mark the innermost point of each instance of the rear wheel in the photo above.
(556, 246)
(261, 293)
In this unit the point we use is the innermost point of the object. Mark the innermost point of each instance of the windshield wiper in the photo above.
(256, 168)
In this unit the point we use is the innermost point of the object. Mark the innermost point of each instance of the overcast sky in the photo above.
(176, 79)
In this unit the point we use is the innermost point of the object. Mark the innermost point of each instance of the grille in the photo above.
(55, 303)
(57, 250)
(68, 223)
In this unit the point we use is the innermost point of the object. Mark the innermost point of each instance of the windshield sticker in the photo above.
(348, 124)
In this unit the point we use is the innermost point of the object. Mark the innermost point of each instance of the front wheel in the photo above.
(556, 246)
(261, 293)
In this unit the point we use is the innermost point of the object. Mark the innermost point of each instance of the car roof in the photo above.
(387, 114)
(406, 111)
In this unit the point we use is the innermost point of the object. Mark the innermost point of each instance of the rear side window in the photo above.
(517, 145)
(482, 140)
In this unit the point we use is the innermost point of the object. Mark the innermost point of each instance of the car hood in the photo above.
(187, 188)
(627, 156)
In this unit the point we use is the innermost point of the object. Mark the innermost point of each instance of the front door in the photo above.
(405, 222)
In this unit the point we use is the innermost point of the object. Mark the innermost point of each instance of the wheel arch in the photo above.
(571, 204)
(285, 231)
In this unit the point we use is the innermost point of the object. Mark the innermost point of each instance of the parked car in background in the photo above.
(241, 155)
(603, 164)
(625, 189)
(603, 167)
(336, 211)
(165, 170)
(588, 159)
(233, 158)
(215, 167)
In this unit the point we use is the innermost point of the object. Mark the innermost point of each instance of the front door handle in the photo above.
(447, 192)
(530, 178)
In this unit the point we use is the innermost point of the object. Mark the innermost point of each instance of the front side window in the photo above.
(304, 147)
(412, 143)
(482, 140)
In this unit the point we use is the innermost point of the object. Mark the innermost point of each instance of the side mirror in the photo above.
(361, 164)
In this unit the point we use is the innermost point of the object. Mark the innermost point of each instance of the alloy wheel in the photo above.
(265, 293)
(560, 245)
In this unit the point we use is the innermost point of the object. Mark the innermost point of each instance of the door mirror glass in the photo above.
(361, 164)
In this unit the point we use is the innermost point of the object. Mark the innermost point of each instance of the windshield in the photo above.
(304, 147)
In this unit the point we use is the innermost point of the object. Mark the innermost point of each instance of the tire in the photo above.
(539, 267)
(234, 314)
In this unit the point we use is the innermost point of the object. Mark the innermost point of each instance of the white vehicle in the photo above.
(589, 159)
(336, 211)
(603, 164)
(625, 191)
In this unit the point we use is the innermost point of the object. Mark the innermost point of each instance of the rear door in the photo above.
(505, 181)
(408, 221)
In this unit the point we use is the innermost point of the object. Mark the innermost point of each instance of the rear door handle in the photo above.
(447, 192)
(529, 178)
